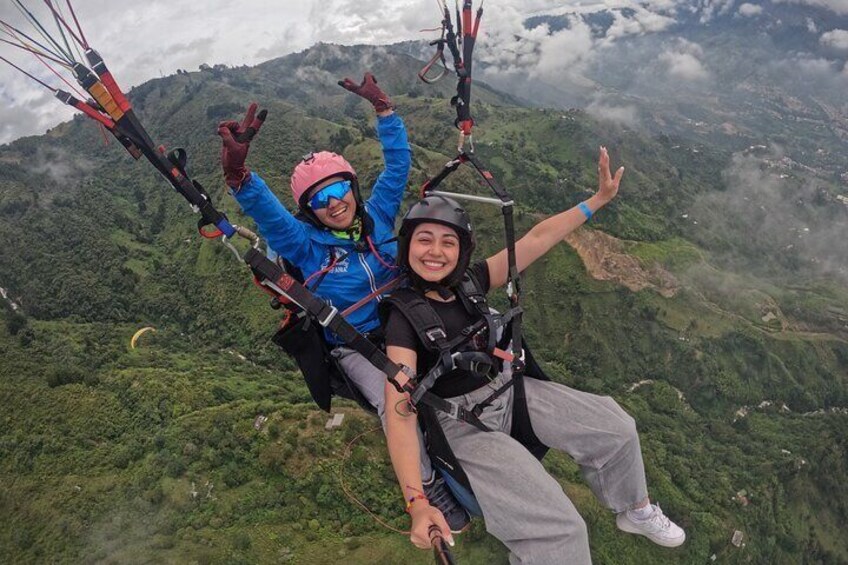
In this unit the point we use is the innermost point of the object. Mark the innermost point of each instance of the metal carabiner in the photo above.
(439, 57)
(246, 234)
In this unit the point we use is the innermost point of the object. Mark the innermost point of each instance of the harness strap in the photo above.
(278, 283)
(453, 410)
(320, 274)
(423, 318)
(478, 409)
(392, 284)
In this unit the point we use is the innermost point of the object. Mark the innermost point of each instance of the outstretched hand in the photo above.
(607, 184)
(369, 90)
(236, 139)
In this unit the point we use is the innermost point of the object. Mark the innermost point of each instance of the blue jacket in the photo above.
(308, 247)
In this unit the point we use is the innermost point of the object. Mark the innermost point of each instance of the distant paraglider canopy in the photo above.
(140, 333)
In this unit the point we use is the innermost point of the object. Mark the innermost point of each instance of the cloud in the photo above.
(58, 165)
(683, 61)
(539, 53)
(814, 65)
(782, 216)
(818, 76)
(26, 108)
(712, 8)
(837, 39)
(837, 6)
(560, 51)
(684, 65)
(749, 10)
(638, 21)
(811, 26)
(602, 110)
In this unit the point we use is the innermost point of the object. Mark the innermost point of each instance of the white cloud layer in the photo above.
(683, 61)
(837, 39)
(627, 115)
(749, 10)
(145, 40)
(837, 6)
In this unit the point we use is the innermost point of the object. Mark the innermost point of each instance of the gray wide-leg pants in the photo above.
(371, 382)
(523, 506)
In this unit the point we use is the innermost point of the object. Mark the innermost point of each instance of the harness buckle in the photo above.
(329, 318)
(398, 387)
(454, 410)
(434, 334)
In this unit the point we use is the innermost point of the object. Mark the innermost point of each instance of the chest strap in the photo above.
(429, 327)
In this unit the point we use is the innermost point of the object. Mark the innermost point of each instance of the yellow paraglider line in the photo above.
(139, 333)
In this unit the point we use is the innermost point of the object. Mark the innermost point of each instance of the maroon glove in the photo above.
(236, 137)
(369, 90)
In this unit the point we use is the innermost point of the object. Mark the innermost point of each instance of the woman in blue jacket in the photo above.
(343, 246)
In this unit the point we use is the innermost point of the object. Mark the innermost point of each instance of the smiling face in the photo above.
(433, 251)
(339, 213)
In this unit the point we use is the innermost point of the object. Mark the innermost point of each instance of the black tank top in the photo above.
(400, 333)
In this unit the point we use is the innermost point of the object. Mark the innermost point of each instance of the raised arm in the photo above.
(387, 192)
(547, 233)
(402, 441)
(284, 233)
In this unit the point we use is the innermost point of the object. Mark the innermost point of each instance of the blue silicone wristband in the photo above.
(586, 210)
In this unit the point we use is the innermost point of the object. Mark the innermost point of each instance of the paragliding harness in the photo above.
(479, 348)
(303, 339)
(452, 354)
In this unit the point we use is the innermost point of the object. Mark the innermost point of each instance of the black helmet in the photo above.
(438, 210)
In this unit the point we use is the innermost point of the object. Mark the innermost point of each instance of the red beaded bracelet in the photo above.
(412, 499)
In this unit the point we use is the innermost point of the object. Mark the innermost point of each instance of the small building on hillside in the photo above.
(736, 540)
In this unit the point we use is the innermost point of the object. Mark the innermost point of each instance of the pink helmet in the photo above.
(316, 168)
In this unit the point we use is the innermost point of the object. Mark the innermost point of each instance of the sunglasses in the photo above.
(337, 190)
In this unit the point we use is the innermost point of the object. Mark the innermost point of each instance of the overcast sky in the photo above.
(144, 39)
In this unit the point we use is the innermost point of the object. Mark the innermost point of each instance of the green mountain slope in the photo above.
(114, 455)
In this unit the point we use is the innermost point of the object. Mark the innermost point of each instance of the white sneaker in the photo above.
(656, 527)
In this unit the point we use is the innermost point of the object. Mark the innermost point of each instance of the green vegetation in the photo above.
(114, 455)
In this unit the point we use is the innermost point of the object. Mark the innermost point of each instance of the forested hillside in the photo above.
(732, 356)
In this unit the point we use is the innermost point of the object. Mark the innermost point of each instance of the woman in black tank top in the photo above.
(435, 245)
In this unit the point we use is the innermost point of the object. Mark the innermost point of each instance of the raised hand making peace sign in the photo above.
(237, 137)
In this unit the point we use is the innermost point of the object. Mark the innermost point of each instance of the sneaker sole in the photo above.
(464, 528)
(624, 525)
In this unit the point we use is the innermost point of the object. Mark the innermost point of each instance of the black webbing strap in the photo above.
(478, 409)
(453, 165)
(488, 177)
(449, 167)
(276, 280)
(453, 410)
(514, 288)
(462, 100)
